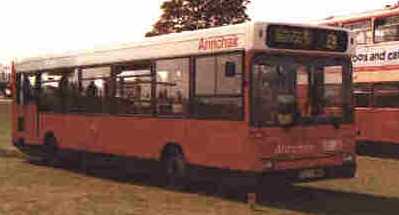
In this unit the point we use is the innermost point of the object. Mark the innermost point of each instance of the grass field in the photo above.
(27, 188)
(5, 124)
(33, 189)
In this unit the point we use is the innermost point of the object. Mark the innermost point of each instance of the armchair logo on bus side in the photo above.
(216, 43)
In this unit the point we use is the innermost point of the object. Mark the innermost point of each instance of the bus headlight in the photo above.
(7, 92)
(268, 164)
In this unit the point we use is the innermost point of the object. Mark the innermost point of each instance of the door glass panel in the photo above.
(289, 89)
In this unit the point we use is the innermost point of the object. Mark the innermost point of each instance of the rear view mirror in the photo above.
(230, 69)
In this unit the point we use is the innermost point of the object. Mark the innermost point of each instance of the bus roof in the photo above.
(230, 38)
(387, 11)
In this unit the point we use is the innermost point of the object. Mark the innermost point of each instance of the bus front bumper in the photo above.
(312, 174)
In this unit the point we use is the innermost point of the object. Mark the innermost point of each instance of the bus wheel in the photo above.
(348, 171)
(174, 168)
(50, 149)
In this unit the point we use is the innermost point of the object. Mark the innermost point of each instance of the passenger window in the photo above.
(26, 88)
(205, 76)
(134, 88)
(229, 82)
(386, 95)
(362, 95)
(214, 75)
(172, 89)
(218, 89)
(49, 93)
(56, 91)
(94, 86)
(387, 29)
(363, 31)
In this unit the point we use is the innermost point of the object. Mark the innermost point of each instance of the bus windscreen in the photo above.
(304, 38)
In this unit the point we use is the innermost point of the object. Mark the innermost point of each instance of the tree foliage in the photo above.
(188, 15)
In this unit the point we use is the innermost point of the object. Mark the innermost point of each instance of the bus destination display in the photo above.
(290, 37)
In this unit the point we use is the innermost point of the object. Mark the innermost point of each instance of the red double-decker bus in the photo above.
(258, 98)
(376, 77)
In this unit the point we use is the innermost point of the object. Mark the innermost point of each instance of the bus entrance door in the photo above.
(27, 118)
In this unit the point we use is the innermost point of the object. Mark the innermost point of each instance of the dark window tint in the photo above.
(74, 90)
(26, 87)
(56, 91)
(386, 95)
(362, 95)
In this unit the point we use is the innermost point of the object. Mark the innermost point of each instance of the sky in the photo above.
(29, 28)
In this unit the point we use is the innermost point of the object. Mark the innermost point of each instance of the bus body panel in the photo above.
(304, 144)
(378, 125)
(205, 143)
(376, 63)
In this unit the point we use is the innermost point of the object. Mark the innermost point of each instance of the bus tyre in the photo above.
(174, 169)
(349, 172)
(50, 149)
(346, 171)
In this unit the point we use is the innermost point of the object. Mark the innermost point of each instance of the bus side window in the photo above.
(386, 96)
(363, 31)
(27, 88)
(134, 84)
(94, 83)
(172, 90)
(362, 95)
(218, 93)
(48, 97)
(387, 29)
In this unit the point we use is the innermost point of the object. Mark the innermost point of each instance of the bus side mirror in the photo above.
(230, 69)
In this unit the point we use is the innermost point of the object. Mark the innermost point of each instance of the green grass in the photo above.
(5, 124)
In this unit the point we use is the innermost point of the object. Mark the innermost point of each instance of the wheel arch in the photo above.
(47, 135)
(170, 148)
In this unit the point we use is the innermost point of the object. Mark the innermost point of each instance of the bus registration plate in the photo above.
(311, 173)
